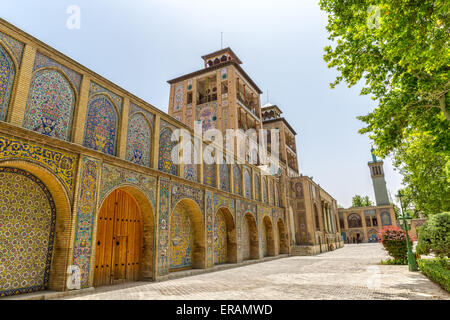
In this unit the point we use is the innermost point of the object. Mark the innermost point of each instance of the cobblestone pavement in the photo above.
(352, 272)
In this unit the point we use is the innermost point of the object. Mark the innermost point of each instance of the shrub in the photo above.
(434, 235)
(438, 270)
(394, 241)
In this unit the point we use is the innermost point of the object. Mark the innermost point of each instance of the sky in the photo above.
(139, 45)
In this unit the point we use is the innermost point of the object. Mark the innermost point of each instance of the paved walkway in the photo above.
(352, 272)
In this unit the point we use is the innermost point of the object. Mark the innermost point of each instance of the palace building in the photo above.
(89, 190)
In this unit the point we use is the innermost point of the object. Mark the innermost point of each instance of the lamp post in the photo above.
(411, 258)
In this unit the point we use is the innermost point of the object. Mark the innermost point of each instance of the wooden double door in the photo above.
(119, 240)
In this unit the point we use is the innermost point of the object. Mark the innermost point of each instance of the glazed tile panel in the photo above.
(50, 105)
(27, 226)
(181, 239)
(7, 74)
(101, 125)
(220, 239)
(139, 140)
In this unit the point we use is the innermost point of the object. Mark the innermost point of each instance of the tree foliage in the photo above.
(358, 201)
(399, 50)
(434, 236)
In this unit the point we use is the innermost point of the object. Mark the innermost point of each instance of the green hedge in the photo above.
(437, 270)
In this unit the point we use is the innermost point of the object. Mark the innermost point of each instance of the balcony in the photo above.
(205, 99)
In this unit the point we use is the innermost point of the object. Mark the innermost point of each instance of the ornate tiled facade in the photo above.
(108, 140)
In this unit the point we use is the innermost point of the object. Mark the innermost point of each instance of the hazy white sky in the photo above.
(139, 45)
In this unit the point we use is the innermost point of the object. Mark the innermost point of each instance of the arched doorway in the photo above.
(118, 254)
(187, 237)
(283, 247)
(27, 232)
(268, 238)
(224, 237)
(249, 238)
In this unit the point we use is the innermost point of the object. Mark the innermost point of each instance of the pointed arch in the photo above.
(139, 140)
(283, 247)
(51, 103)
(247, 183)
(224, 170)
(237, 179)
(268, 237)
(54, 277)
(264, 188)
(8, 71)
(256, 178)
(101, 124)
(191, 169)
(166, 145)
(225, 237)
(249, 237)
(187, 243)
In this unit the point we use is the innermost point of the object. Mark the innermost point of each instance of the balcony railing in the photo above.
(247, 103)
(208, 98)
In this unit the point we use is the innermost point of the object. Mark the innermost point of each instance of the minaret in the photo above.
(379, 184)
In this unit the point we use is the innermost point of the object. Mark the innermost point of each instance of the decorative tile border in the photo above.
(209, 229)
(163, 229)
(62, 164)
(14, 45)
(87, 196)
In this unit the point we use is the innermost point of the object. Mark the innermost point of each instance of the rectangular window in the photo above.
(224, 87)
(374, 221)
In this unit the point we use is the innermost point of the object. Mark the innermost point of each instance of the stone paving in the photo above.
(352, 272)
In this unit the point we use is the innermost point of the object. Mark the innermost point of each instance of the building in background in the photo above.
(364, 223)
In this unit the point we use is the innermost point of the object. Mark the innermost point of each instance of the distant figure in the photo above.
(358, 239)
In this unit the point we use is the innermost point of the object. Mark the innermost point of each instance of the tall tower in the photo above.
(379, 183)
(221, 95)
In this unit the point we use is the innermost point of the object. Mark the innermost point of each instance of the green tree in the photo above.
(399, 49)
(434, 235)
(358, 201)
(426, 175)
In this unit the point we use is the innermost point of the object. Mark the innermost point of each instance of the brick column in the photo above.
(81, 111)
(24, 75)
(155, 144)
(123, 131)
